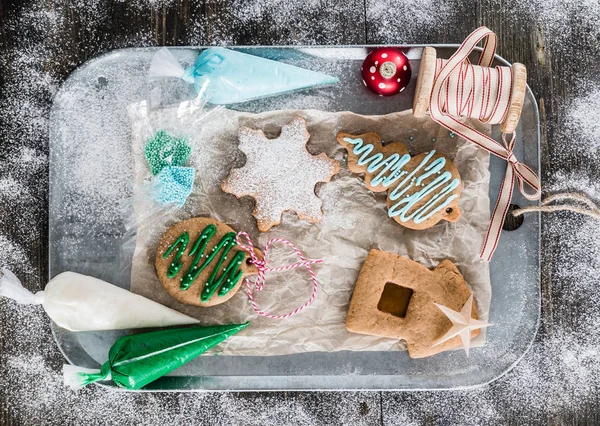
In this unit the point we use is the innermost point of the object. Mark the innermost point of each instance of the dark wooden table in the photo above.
(42, 41)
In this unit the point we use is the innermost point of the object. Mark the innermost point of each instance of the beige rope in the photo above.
(589, 208)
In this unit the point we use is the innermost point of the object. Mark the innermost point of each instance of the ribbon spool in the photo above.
(429, 68)
(454, 89)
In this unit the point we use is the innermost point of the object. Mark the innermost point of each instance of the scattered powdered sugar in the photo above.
(408, 21)
(30, 159)
(560, 17)
(247, 12)
(36, 393)
(413, 21)
(30, 362)
(559, 21)
(280, 174)
(13, 255)
(277, 22)
(561, 374)
(11, 189)
(584, 120)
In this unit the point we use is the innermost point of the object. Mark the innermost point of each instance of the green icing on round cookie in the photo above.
(230, 274)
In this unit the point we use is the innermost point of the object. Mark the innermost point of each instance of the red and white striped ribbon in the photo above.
(463, 90)
(262, 267)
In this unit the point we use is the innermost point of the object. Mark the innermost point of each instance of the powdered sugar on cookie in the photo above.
(280, 174)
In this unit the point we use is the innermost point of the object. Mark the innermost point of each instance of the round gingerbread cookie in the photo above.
(199, 263)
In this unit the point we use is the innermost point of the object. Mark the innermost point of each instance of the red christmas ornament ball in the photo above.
(386, 71)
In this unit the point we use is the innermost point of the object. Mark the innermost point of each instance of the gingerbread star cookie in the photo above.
(422, 190)
(280, 174)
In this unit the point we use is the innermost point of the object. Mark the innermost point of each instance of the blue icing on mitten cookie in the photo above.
(174, 184)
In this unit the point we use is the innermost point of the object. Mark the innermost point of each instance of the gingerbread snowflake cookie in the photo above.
(280, 174)
(422, 190)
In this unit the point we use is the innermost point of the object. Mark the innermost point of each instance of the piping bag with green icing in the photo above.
(230, 77)
(81, 303)
(139, 359)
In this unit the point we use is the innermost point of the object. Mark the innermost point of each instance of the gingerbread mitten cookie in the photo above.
(280, 174)
(422, 190)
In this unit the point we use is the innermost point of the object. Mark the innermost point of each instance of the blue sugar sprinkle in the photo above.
(174, 184)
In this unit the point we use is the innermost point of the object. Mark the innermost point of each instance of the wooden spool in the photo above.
(425, 84)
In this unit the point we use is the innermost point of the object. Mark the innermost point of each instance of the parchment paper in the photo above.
(354, 221)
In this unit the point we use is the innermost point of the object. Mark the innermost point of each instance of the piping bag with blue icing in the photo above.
(81, 303)
(230, 77)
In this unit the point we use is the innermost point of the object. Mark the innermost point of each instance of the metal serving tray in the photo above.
(87, 224)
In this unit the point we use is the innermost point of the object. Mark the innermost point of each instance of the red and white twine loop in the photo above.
(262, 267)
(462, 90)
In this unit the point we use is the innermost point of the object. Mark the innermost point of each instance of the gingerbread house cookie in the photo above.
(396, 297)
